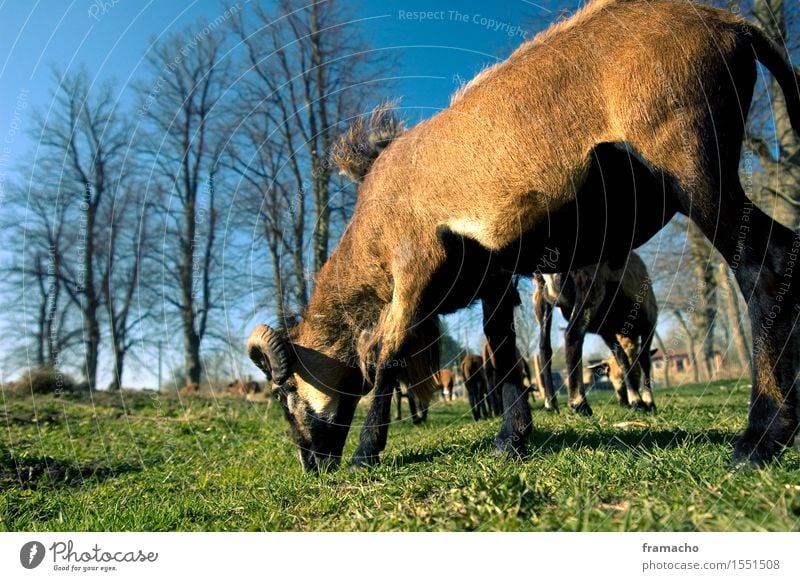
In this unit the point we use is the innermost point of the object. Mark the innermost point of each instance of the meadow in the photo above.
(133, 461)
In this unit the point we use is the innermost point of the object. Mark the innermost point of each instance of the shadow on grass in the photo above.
(29, 417)
(445, 449)
(32, 472)
(644, 438)
(549, 443)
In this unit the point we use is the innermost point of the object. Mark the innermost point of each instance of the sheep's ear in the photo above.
(653, 352)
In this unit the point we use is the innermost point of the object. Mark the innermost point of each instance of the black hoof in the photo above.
(582, 408)
(754, 451)
(327, 463)
(551, 406)
(640, 406)
(364, 462)
(514, 447)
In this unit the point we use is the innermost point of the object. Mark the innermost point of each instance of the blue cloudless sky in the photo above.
(437, 44)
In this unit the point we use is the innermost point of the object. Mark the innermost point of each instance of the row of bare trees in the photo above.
(152, 217)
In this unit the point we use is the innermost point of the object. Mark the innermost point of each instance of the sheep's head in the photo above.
(359, 146)
(311, 389)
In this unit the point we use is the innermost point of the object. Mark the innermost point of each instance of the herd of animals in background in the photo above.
(645, 126)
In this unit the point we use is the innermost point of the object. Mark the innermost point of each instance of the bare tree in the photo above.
(309, 71)
(128, 241)
(280, 228)
(702, 257)
(770, 131)
(40, 318)
(185, 139)
(665, 355)
(729, 298)
(83, 148)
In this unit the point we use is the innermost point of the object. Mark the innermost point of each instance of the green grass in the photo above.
(138, 461)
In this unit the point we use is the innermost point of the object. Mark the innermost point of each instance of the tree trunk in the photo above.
(322, 230)
(277, 275)
(119, 363)
(50, 354)
(734, 316)
(191, 342)
(690, 345)
(322, 143)
(91, 325)
(703, 303)
(666, 358)
(92, 345)
(191, 355)
(44, 320)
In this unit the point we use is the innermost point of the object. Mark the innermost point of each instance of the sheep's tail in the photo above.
(771, 56)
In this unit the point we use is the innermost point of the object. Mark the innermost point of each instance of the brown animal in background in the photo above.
(190, 389)
(627, 112)
(445, 380)
(615, 373)
(475, 384)
(243, 387)
(612, 302)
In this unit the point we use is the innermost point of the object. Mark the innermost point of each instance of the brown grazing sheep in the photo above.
(627, 112)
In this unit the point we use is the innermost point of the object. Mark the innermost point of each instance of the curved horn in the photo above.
(269, 352)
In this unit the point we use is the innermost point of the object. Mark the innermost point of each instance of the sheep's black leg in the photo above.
(473, 397)
(477, 391)
(764, 257)
(494, 396)
(376, 425)
(412, 274)
(416, 417)
(620, 391)
(573, 345)
(498, 324)
(485, 408)
(399, 397)
(543, 312)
